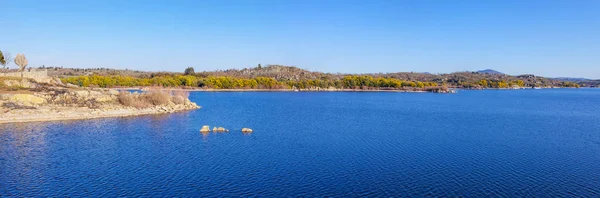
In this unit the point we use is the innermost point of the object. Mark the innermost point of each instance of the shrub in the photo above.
(178, 100)
(179, 97)
(157, 97)
(151, 98)
(126, 98)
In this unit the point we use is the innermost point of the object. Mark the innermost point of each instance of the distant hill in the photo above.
(278, 72)
(569, 79)
(479, 79)
(589, 83)
(490, 71)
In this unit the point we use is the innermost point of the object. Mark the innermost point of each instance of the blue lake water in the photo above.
(499, 143)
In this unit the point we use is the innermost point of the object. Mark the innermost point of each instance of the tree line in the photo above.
(227, 82)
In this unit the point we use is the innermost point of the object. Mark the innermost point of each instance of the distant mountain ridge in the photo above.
(487, 78)
(570, 79)
(490, 71)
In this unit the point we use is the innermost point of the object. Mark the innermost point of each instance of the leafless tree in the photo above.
(22, 62)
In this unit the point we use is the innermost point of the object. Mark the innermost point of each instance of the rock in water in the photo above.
(246, 130)
(221, 129)
(205, 129)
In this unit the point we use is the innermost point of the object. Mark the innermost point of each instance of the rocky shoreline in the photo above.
(42, 102)
(57, 113)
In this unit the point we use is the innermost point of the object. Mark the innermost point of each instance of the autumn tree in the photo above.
(483, 83)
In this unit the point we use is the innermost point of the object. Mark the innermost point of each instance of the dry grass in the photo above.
(151, 98)
(157, 97)
(126, 98)
(179, 97)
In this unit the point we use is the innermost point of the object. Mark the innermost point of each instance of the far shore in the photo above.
(452, 89)
(270, 90)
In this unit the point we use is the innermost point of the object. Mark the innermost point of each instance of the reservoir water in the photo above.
(491, 143)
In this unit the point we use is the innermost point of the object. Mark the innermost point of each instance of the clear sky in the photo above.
(543, 37)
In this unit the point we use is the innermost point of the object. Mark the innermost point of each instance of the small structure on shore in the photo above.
(246, 130)
(205, 129)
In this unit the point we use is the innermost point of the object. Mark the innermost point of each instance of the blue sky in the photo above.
(549, 38)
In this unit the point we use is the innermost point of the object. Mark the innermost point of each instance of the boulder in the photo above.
(82, 94)
(113, 92)
(104, 98)
(246, 130)
(24, 83)
(57, 81)
(71, 85)
(27, 99)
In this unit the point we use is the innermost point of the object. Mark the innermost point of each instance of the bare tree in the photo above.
(22, 62)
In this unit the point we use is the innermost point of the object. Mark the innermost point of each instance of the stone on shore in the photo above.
(24, 83)
(27, 99)
(113, 92)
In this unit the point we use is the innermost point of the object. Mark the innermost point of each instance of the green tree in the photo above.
(2, 61)
(259, 66)
(5, 59)
(189, 71)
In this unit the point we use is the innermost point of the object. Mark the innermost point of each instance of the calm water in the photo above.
(473, 144)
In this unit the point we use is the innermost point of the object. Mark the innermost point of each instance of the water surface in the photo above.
(474, 144)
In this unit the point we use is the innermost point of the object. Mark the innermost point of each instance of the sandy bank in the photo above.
(55, 113)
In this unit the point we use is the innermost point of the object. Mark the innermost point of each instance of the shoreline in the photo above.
(34, 102)
(450, 89)
(52, 113)
(269, 90)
